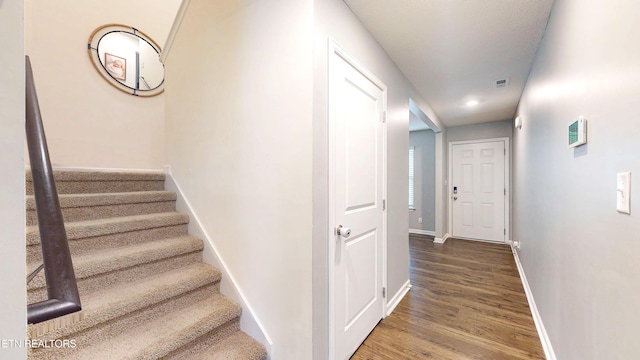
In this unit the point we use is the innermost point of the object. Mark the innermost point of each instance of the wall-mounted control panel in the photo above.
(577, 132)
(623, 192)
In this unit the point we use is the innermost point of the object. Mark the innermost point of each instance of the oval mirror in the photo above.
(128, 59)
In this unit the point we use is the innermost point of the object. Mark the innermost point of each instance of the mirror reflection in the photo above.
(128, 59)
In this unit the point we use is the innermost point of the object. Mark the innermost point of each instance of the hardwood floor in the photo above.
(467, 302)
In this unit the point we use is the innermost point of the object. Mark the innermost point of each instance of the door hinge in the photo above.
(505, 231)
(505, 192)
(384, 116)
(384, 292)
(384, 204)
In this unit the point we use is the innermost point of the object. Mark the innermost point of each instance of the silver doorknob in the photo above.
(345, 232)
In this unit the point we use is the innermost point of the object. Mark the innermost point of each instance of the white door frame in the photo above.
(336, 49)
(507, 172)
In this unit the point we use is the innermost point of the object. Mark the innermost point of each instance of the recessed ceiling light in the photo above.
(472, 102)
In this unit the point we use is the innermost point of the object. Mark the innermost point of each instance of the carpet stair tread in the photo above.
(98, 227)
(73, 175)
(167, 333)
(238, 346)
(126, 298)
(120, 258)
(102, 199)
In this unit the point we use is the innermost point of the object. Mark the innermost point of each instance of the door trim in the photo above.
(507, 176)
(335, 48)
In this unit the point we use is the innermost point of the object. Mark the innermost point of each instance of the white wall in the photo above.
(13, 302)
(494, 129)
(332, 18)
(424, 142)
(239, 141)
(580, 256)
(90, 123)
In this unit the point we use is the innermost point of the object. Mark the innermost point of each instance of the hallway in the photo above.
(467, 302)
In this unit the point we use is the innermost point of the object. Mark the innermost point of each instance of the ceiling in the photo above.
(454, 51)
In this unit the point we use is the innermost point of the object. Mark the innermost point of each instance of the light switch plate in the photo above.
(623, 192)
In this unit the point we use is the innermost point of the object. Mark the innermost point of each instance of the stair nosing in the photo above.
(125, 257)
(126, 298)
(113, 225)
(211, 315)
(93, 176)
(239, 334)
(108, 199)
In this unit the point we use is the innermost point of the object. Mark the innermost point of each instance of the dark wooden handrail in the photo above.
(58, 269)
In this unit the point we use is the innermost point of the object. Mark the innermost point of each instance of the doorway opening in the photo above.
(422, 172)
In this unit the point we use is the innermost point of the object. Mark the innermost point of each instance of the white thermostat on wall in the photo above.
(578, 132)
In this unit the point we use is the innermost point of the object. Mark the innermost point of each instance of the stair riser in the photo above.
(108, 211)
(127, 303)
(193, 348)
(206, 327)
(92, 187)
(97, 243)
(128, 322)
(104, 281)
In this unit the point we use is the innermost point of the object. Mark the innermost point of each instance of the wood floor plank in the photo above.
(467, 302)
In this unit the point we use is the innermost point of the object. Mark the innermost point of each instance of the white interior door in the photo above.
(478, 191)
(357, 107)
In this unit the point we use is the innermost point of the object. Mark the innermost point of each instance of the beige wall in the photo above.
(13, 301)
(89, 123)
(579, 254)
(332, 18)
(239, 141)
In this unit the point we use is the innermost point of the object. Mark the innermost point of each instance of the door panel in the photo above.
(361, 284)
(478, 207)
(487, 215)
(487, 180)
(357, 260)
(467, 178)
(467, 214)
(360, 146)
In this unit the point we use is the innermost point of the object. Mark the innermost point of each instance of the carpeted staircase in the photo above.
(145, 292)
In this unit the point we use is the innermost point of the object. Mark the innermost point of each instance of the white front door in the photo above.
(478, 190)
(357, 105)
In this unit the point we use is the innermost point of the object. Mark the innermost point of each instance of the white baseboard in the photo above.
(249, 322)
(395, 300)
(542, 332)
(484, 240)
(442, 239)
(422, 232)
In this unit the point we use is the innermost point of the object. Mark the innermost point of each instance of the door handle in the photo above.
(345, 232)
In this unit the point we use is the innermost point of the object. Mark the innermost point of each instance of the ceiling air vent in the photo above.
(502, 83)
